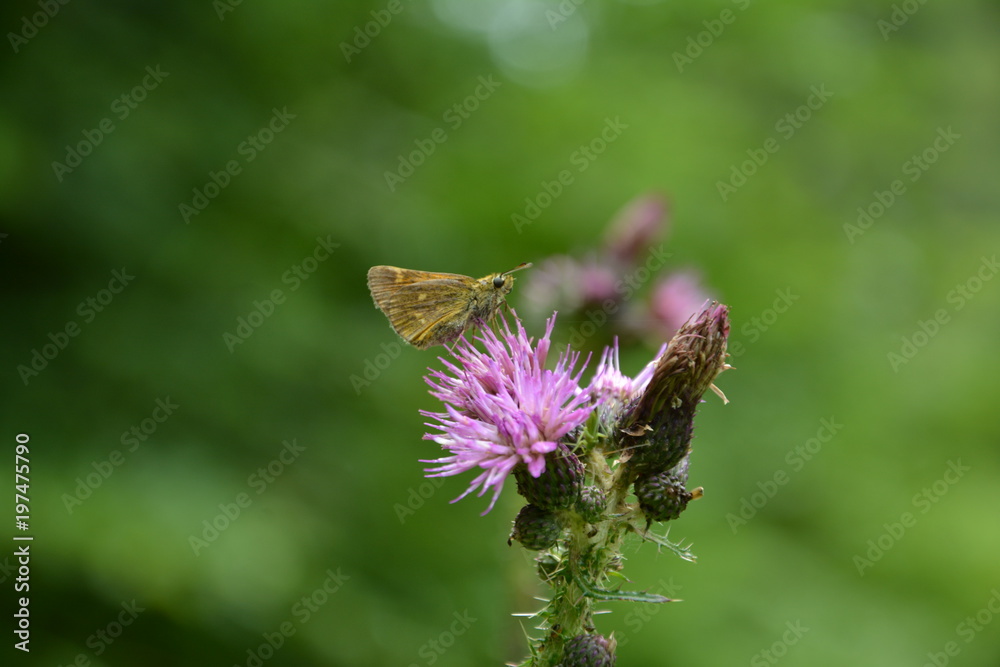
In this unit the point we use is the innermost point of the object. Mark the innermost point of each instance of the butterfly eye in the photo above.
(499, 281)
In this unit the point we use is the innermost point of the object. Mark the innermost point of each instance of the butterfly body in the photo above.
(427, 308)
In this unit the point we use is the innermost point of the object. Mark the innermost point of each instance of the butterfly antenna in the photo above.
(522, 265)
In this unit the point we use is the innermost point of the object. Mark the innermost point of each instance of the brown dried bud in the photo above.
(658, 426)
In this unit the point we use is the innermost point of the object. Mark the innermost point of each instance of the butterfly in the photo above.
(427, 308)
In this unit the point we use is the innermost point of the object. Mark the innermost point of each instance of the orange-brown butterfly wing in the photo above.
(384, 281)
(432, 312)
(424, 308)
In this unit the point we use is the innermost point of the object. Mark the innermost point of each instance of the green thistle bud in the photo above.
(591, 504)
(589, 651)
(558, 486)
(536, 528)
(663, 496)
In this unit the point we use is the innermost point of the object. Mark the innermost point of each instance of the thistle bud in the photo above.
(663, 496)
(558, 487)
(589, 651)
(658, 426)
(536, 528)
(591, 504)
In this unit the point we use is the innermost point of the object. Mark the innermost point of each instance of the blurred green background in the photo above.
(308, 113)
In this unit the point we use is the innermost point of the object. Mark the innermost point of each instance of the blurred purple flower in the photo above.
(675, 298)
(611, 277)
(503, 406)
(562, 282)
(553, 283)
(597, 282)
(635, 228)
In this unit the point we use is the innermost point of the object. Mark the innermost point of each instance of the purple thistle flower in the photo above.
(503, 406)
(610, 388)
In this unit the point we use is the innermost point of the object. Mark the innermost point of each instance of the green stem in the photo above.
(588, 555)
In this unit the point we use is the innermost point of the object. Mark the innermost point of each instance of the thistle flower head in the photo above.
(503, 407)
(505, 412)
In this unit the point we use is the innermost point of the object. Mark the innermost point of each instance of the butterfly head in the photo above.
(503, 283)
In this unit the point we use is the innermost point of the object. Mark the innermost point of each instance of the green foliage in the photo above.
(863, 338)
